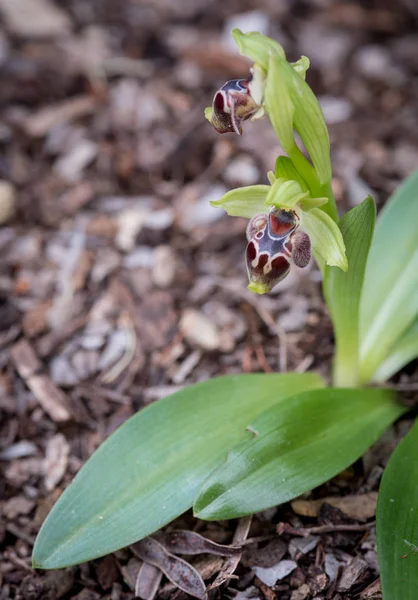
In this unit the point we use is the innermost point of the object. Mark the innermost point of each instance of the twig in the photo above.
(305, 531)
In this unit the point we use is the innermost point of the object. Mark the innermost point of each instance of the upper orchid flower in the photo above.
(278, 88)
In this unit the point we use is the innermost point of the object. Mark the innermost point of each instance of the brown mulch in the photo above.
(120, 284)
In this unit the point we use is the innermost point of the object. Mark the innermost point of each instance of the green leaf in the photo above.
(327, 240)
(245, 201)
(148, 472)
(403, 352)
(397, 522)
(295, 446)
(343, 290)
(258, 47)
(389, 302)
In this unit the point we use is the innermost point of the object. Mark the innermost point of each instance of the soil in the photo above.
(120, 284)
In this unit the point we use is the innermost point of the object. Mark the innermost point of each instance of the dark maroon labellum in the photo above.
(273, 244)
(233, 104)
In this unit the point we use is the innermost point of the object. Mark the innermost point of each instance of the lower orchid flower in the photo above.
(286, 226)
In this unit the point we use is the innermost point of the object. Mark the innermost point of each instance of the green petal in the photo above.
(326, 238)
(244, 202)
(311, 203)
(285, 194)
(257, 47)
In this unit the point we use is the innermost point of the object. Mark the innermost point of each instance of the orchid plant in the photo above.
(235, 445)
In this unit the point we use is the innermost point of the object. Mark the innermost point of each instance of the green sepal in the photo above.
(245, 201)
(327, 240)
(258, 47)
(301, 66)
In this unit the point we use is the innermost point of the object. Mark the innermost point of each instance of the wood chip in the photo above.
(372, 591)
(56, 460)
(34, 18)
(52, 399)
(360, 507)
(199, 330)
(38, 124)
(352, 573)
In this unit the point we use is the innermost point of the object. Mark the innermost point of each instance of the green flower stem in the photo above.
(330, 207)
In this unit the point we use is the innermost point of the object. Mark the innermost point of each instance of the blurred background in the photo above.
(118, 282)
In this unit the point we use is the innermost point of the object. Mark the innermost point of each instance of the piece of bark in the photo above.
(52, 399)
(39, 123)
(352, 573)
(359, 507)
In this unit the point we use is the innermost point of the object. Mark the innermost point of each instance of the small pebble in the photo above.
(164, 269)
(7, 201)
(276, 573)
(199, 330)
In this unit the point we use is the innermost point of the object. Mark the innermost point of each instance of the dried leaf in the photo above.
(232, 563)
(177, 570)
(189, 542)
(148, 581)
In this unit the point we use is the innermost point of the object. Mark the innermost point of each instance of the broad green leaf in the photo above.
(403, 352)
(278, 102)
(148, 472)
(258, 47)
(389, 302)
(245, 201)
(295, 446)
(397, 522)
(343, 290)
(327, 240)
